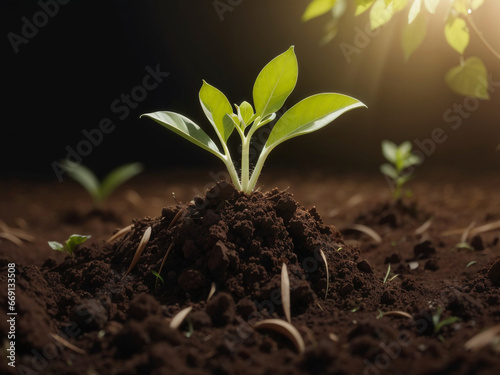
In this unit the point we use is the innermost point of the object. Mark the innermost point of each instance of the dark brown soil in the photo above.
(119, 323)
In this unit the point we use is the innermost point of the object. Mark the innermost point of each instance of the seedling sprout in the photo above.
(400, 160)
(70, 244)
(272, 87)
(100, 190)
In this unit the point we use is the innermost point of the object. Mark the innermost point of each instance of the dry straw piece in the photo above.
(327, 273)
(122, 232)
(366, 230)
(285, 292)
(213, 288)
(140, 249)
(483, 339)
(177, 320)
(67, 344)
(401, 314)
(424, 227)
(284, 328)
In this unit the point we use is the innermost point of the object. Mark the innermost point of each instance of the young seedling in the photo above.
(70, 245)
(158, 279)
(400, 159)
(272, 87)
(439, 324)
(100, 191)
(387, 278)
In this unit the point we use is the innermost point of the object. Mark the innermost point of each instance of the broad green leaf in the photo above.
(389, 150)
(84, 177)
(474, 4)
(389, 171)
(245, 113)
(309, 115)
(275, 83)
(117, 177)
(317, 8)
(56, 245)
(216, 106)
(414, 10)
(404, 150)
(187, 129)
(469, 79)
(74, 240)
(380, 14)
(398, 5)
(413, 35)
(457, 34)
(431, 5)
(461, 7)
(362, 6)
(412, 160)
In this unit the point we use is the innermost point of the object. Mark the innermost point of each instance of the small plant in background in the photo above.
(400, 159)
(100, 191)
(439, 324)
(70, 245)
(272, 87)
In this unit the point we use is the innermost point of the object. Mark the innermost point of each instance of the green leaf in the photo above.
(317, 8)
(469, 79)
(84, 177)
(275, 83)
(74, 240)
(414, 10)
(56, 245)
(380, 14)
(404, 150)
(216, 106)
(309, 115)
(399, 5)
(413, 35)
(389, 171)
(187, 129)
(411, 160)
(389, 150)
(245, 113)
(431, 5)
(457, 34)
(362, 6)
(117, 177)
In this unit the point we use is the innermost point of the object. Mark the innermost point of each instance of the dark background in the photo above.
(91, 52)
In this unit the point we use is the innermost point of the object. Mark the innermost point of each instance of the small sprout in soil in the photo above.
(272, 87)
(100, 191)
(386, 278)
(285, 292)
(326, 267)
(400, 158)
(380, 314)
(471, 263)
(339, 249)
(70, 244)
(286, 329)
(355, 309)
(158, 279)
(333, 337)
(439, 324)
(140, 249)
(177, 320)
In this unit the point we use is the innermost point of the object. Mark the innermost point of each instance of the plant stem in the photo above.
(258, 168)
(480, 35)
(245, 163)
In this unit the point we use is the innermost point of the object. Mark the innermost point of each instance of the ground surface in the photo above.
(121, 324)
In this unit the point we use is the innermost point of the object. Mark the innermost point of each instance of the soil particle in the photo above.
(494, 273)
(424, 250)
